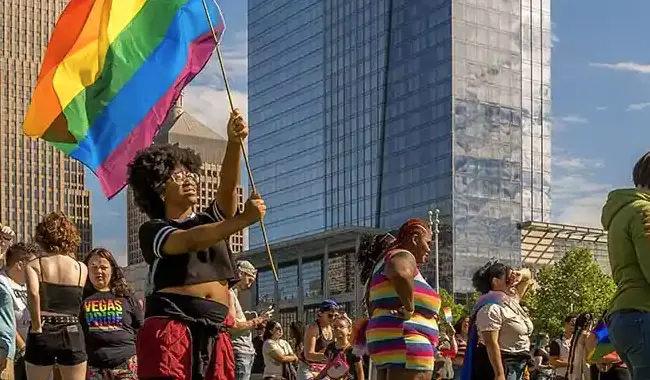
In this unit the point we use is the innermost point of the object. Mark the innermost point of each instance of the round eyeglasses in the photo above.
(180, 177)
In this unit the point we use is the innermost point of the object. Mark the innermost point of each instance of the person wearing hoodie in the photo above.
(626, 217)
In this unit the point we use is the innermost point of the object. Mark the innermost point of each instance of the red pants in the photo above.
(164, 350)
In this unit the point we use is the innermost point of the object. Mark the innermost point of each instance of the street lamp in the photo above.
(434, 224)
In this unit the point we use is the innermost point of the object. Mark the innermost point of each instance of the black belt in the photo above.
(59, 319)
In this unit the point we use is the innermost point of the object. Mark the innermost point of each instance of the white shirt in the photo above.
(19, 297)
(272, 367)
(510, 321)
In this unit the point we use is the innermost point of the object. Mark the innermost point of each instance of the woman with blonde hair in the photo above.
(55, 283)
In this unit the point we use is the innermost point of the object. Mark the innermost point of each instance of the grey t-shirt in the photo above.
(242, 342)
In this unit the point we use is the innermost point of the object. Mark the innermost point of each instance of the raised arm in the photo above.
(6, 237)
(524, 283)
(159, 238)
(229, 176)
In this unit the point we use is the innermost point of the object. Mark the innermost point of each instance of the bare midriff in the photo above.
(216, 291)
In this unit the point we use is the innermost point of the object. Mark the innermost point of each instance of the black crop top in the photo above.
(213, 264)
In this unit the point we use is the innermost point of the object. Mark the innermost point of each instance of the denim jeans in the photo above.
(243, 366)
(629, 332)
(514, 369)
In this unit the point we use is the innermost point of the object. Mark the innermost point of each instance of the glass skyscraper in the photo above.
(371, 112)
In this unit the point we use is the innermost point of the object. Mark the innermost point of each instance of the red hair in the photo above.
(412, 226)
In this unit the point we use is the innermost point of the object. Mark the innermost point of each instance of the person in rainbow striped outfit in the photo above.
(402, 332)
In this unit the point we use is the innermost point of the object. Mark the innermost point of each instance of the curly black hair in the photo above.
(152, 168)
(482, 278)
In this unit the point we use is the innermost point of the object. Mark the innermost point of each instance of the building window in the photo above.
(312, 278)
(287, 316)
(311, 312)
(265, 287)
(289, 284)
(340, 273)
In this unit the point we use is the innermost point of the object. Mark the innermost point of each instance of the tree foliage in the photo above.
(447, 300)
(574, 284)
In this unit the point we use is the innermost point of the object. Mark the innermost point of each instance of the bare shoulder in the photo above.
(35, 265)
(312, 329)
(401, 254)
(400, 258)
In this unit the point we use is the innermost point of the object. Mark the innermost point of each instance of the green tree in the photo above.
(574, 284)
(447, 300)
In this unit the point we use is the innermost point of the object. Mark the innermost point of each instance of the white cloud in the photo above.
(210, 105)
(561, 122)
(573, 119)
(637, 106)
(577, 195)
(624, 66)
(235, 59)
(575, 163)
(116, 246)
(583, 211)
(601, 108)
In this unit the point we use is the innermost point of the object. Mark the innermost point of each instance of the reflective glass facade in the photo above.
(369, 112)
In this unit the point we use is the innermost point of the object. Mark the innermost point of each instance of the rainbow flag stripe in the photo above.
(111, 73)
(448, 316)
(604, 350)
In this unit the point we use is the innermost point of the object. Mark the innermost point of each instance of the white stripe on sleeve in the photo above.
(159, 239)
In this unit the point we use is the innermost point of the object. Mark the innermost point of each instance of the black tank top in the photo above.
(321, 342)
(58, 298)
(214, 264)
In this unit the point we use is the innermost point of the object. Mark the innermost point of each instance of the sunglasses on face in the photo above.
(180, 177)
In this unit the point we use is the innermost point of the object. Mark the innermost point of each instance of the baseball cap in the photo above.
(245, 266)
(328, 305)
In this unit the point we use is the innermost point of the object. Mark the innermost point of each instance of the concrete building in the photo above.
(310, 268)
(183, 129)
(35, 178)
(368, 113)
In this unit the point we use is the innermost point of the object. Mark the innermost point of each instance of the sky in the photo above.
(600, 104)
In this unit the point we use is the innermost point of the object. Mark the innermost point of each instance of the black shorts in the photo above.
(58, 344)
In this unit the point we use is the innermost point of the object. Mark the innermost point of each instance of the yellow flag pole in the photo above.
(243, 146)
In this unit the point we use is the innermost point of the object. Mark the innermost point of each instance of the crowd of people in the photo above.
(72, 320)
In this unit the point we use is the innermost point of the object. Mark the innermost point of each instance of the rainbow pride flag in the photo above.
(604, 348)
(448, 316)
(112, 71)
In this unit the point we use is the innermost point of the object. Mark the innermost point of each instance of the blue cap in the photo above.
(328, 305)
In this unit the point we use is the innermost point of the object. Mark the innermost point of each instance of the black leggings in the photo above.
(58, 344)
